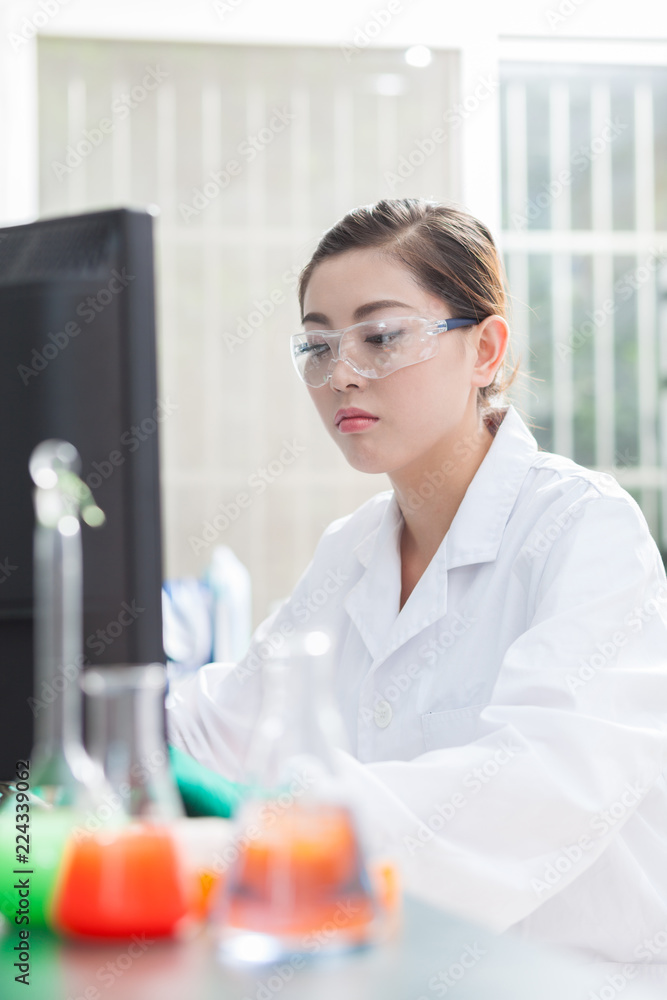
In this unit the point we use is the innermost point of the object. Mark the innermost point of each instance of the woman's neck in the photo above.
(430, 494)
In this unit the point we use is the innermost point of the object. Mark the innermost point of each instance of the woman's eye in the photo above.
(383, 339)
(316, 349)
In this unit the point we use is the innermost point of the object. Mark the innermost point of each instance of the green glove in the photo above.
(204, 792)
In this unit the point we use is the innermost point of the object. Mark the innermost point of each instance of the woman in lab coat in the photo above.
(500, 615)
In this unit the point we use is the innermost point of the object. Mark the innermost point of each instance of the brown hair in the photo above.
(449, 252)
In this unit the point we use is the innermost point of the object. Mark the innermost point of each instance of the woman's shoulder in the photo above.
(353, 527)
(339, 542)
(555, 475)
(552, 473)
(555, 490)
(559, 493)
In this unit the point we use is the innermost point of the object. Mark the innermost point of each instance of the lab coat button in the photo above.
(383, 714)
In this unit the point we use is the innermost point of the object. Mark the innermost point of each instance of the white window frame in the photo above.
(602, 243)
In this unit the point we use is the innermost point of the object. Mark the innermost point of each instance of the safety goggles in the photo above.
(373, 350)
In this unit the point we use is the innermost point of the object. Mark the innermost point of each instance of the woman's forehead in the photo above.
(356, 277)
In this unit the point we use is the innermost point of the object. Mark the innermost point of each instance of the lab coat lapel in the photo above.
(476, 533)
(372, 603)
(474, 536)
(425, 605)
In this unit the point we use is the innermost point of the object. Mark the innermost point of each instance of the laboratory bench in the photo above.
(431, 954)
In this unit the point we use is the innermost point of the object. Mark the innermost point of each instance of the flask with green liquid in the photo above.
(60, 785)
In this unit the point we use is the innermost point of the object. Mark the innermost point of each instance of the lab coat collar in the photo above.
(474, 536)
(478, 527)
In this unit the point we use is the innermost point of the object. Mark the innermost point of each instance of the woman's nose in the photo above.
(342, 375)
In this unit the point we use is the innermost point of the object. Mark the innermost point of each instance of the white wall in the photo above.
(474, 27)
(483, 31)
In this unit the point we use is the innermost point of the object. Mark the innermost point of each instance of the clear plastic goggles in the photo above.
(372, 349)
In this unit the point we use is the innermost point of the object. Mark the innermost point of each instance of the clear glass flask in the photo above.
(126, 872)
(299, 882)
(60, 784)
(63, 773)
(126, 737)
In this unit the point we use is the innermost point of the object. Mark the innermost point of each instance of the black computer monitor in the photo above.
(77, 362)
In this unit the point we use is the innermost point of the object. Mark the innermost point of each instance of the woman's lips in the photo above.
(356, 423)
(346, 412)
(351, 418)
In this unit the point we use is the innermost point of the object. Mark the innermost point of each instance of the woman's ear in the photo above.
(491, 338)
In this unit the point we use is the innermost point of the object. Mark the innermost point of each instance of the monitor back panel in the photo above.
(77, 362)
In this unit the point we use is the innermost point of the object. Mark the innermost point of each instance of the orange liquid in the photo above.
(208, 886)
(115, 884)
(303, 872)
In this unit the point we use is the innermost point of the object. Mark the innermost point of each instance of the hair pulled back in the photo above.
(449, 252)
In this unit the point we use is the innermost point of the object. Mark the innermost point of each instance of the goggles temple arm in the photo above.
(453, 324)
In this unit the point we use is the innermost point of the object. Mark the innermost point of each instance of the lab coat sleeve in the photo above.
(571, 743)
(211, 714)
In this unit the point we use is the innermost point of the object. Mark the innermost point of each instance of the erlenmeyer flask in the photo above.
(125, 715)
(299, 875)
(60, 782)
(62, 772)
(125, 872)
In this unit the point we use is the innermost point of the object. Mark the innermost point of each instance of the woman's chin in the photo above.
(372, 464)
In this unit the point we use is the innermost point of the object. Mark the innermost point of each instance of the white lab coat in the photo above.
(508, 727)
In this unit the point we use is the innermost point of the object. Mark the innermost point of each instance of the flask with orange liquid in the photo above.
(60, 783)
(299, 881)
(124, 869)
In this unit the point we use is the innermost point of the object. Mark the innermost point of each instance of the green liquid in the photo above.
(46, 978)
(48, 830)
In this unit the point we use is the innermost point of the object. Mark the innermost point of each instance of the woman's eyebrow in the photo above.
(361, 312)
(316, 318)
